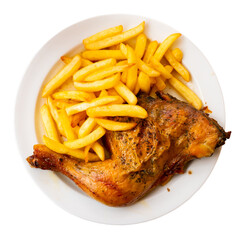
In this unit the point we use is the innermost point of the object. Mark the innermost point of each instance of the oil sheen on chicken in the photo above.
(142, 158)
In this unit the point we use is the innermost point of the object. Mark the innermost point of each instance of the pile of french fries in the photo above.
(105, 78)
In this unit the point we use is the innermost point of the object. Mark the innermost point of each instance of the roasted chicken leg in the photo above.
(148, 155)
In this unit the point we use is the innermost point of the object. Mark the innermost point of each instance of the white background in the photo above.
(212, 213)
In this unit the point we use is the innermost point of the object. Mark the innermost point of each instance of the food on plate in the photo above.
(98, 85)
(126, 93)
(86, 140)
(186, 92)
(48, 122)
(103, 54)
(177, 66)
(164, 46)
(114, 125)
(83, 72)
(83, 106)
(62, 149)
(154, 151)
(103, 34)
(62, 76)
(121, 37)
(141, 43)
(110, 127)
(117, 110)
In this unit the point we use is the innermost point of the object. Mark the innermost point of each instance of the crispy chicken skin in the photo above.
(148, 155)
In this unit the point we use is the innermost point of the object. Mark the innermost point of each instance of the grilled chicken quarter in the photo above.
(159, 147)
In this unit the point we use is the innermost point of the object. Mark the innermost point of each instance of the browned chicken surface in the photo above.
(148, 155)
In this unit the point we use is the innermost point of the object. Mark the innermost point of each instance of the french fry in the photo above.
(80, 107)
(63, 104)
(76, 128)
(73, 95)
(83, 72)
(99, 150)
(124, 76)
(152, 47)
(147, 69)
(186, 92)
(132, 77)
(115, 126)
(140, 45)
(137, 89)
(62, 149)
(103, 34)
(77, 118)
(117, 110)
(160, 83)
(164, 46)
(178, 54)
(144, 82)
(106, 72)
(66, 124)
(66, 59)
(62, 76)
(131, 42)
(110, 41)
(97, 55)
(113, 92)
(121, 63)
(48, 123)
(98, 85)
(131, 56)
(87, 127)
(126, 93)
(153, 80)
(114, 47)
(153, 92)
(123, 49)
(84, 62)
(55, 115)
(86, 152)
(88, 139)
(160, 68)
(169, 68)
(103, 93)
(177, 66)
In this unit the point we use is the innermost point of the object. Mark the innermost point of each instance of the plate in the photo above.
(29, 131)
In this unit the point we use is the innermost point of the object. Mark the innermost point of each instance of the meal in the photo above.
(110, 125)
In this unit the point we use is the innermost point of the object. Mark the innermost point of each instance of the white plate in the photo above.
(63, 191)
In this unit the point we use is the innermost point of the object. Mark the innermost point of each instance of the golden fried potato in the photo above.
(115, 126)
(49, 123)
(164, 46)
(83, 106)
(126, 93)
(98, 85)
(186, 92)
(88, 139)
(96, 55)
(62, 76)
(152, 47)
(83, 72)
(117, 110)
(177, 66)
(140, 45)
(110, 41)
(62, 149)
(144, 82)
(103, 34)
